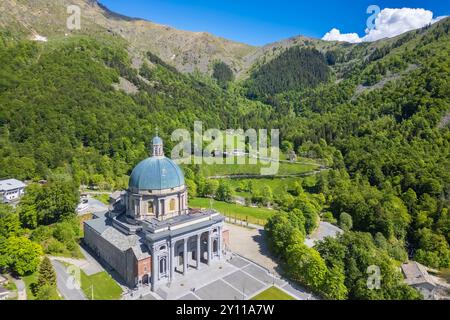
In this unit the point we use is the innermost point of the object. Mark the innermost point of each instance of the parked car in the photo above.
(82, 205)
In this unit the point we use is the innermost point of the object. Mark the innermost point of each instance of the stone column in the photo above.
(219, 242)
(185, 256)
(198, 251)
(172, 260)
(209, 247)
(154, 269)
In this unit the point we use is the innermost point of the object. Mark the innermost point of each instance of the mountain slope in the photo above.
(187, 51)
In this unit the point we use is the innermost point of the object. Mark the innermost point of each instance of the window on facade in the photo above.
(172, 205)
(162, 266)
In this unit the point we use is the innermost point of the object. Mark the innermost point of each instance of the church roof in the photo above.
(156, 173)
(157, 140)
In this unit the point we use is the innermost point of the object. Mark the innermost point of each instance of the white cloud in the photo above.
(389, 23)
(335, 35)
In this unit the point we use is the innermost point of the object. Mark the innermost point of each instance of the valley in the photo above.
(367, 124)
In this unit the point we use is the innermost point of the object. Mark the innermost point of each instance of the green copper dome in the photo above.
(156, 173)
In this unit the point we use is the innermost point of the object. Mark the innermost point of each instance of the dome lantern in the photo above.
(158, 150)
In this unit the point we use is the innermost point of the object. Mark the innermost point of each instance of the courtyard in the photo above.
(234, 278)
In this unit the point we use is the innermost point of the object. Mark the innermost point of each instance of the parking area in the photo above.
(90, 205)
(251, 244)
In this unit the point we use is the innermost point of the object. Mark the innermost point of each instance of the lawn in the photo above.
(253, 215)
(104, 198)
(273, 293)
(285, 168)
(103, 286)
(29, 280)
(276, 184)
(445, 273)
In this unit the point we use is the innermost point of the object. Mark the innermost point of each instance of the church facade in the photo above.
(149, 234)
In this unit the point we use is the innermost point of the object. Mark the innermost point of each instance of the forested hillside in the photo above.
(59, 109)
(294, 69)
(381, 128)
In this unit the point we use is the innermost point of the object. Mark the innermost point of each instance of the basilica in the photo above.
(149, 235)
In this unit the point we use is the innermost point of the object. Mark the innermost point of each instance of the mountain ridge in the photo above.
(187, 51)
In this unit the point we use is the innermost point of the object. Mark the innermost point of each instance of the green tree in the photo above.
(306, 265)
(56, 201)
(9, 221)
(47, 275)
(27, 207)
(224, 192)
(345, 221)
(222, 73)
(210, 188)
(47, 292)
(333, 286)
(20, 255)
(192, 188)
(267, 195)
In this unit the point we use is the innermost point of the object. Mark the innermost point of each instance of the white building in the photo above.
(11, 189)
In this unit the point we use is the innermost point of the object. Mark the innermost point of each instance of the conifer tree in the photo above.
(47, 275)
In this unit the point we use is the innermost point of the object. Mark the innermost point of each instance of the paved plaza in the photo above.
(235, 278)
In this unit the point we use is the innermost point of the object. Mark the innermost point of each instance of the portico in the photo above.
(191, 251)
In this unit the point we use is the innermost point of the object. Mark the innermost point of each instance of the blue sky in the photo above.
(261, 22)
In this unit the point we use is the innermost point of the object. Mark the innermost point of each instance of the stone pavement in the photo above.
(235, 278)
(251, 244)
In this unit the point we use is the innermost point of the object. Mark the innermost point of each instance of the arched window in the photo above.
(162, 266)
(172, 205)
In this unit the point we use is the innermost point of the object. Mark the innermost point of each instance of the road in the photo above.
(62, 280)
(258, 176)
(21, 291)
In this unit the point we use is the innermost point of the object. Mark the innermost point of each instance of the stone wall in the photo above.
(123, 262)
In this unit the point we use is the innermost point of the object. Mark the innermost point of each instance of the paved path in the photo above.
(89, 264)
(65, 283)
(21, 291)
(93, 206)
(257, 176)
